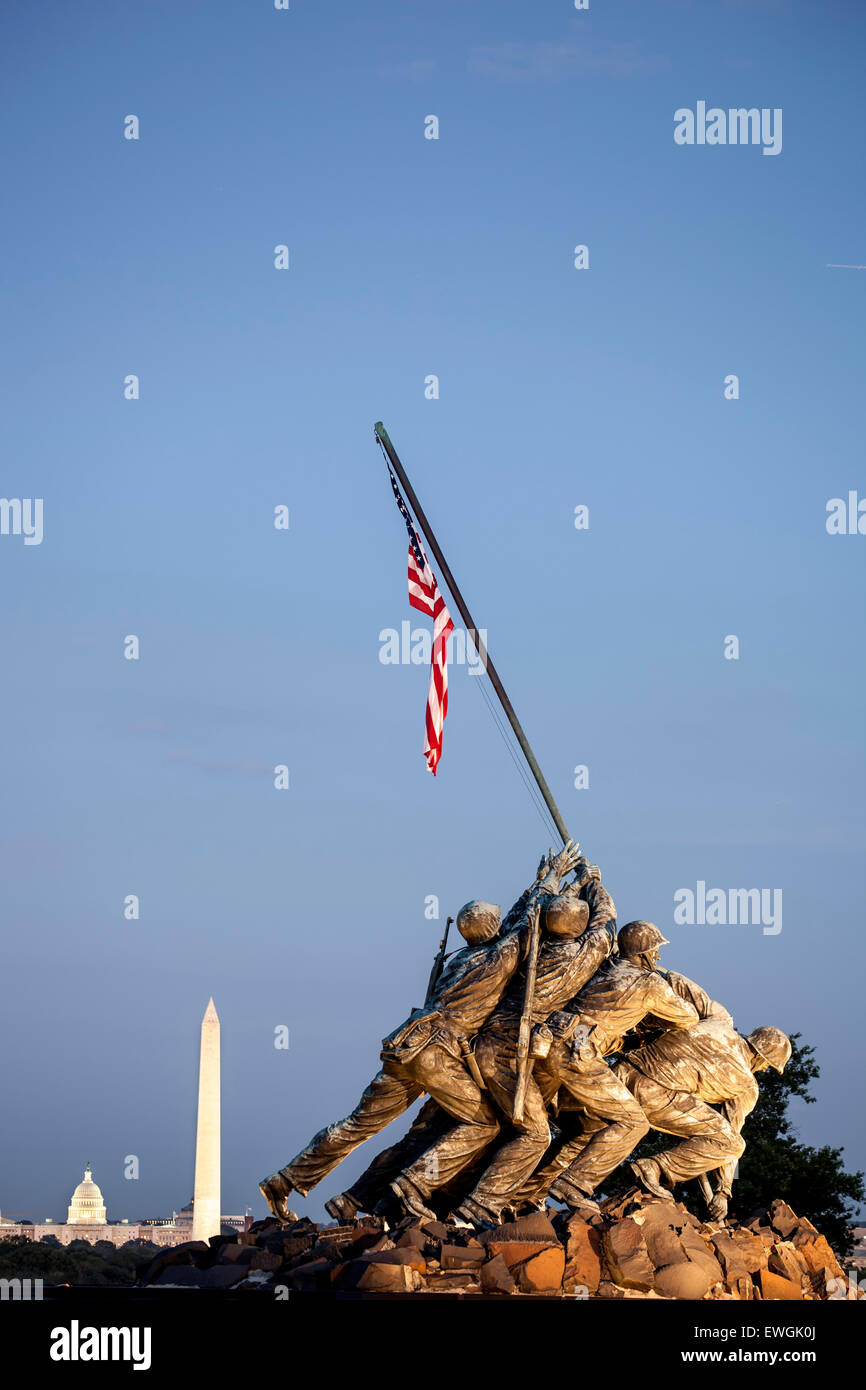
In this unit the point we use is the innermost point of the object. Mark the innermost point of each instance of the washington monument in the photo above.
(206, 1194)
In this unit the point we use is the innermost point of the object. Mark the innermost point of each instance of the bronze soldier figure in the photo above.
(430, 1051)
(579, 925)
(621, 995)
(679, 1079)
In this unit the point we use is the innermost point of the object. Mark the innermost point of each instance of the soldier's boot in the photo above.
(574, 1197)
(526, 1207)
(532, 1196)
(410, 1199)
(276, 1190)
(649, 1174)
(471, 1213)
(343, 1208)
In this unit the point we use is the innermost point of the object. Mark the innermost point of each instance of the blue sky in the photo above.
(558, 387)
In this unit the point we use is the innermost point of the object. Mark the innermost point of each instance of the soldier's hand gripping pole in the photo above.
(524, 1067)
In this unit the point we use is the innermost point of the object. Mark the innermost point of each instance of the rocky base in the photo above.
(639, 1247)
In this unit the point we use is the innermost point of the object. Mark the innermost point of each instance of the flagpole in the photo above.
(472, 630)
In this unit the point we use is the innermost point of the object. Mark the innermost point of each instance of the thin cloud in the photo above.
(150, 726)
(191, 759)
(842, 839)
(548, 59)
(758, 6)
(415, 69)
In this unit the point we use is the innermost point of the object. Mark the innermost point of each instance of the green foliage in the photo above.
(812, 1181)
(97, 1266)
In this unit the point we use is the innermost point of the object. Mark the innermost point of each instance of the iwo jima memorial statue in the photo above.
(548, 1046)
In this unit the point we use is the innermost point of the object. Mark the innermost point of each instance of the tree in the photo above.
(102, 1265)
(812, 1181)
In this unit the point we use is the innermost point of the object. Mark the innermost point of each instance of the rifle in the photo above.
(524, 1065)
(438, 963)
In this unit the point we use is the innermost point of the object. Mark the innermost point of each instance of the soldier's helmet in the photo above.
(773, 1045)
(636, 937)
(479, 921)
(565, 915)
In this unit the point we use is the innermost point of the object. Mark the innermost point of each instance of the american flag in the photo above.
(425, 596)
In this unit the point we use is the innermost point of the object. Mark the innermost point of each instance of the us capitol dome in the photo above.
(87, 1207)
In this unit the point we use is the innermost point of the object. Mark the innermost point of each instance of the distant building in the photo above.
(86, 1217)
(87, 1207)
(86, 1220)
(238, 1223)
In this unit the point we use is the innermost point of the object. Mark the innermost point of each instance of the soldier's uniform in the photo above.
(622, 995)
(678, 1079)
(425, 1054)
(619, 997)
(564, 966)
(704, 1005)
(430, 1124)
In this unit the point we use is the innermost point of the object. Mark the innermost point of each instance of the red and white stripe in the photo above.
(425, 596)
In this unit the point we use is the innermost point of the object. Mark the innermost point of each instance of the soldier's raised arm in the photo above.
(551, 870)
(687, 989)
(666, 1004)
(602, 910)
